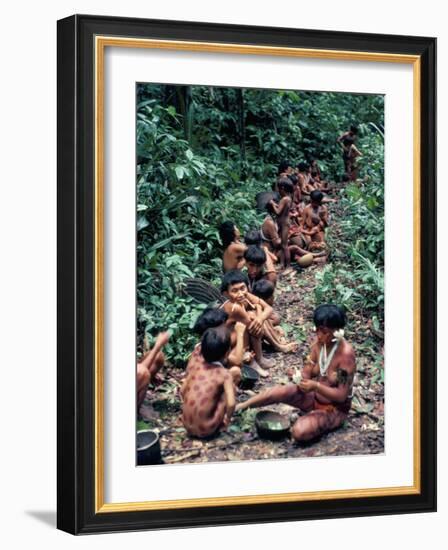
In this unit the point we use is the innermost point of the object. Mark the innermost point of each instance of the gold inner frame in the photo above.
(101, 42)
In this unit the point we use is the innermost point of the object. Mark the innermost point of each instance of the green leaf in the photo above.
(179, 172)
(142, 222)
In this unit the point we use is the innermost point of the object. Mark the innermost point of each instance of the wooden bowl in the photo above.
(249, 377)
(148, 448)
(272, 425)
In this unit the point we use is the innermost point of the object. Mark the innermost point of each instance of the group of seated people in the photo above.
(234, 333)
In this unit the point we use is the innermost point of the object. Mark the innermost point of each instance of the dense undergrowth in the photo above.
(202, 155)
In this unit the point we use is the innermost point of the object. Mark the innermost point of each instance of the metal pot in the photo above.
(272, 425)
(249, 377)
(148, 448)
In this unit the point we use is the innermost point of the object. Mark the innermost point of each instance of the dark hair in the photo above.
(314, 172)
(329, 315)
(233, 277)
(209, 318)
(285, 183)
(294, 179)
(302, 166)
(215, 343)
(316, 196)
(227, 233)
(283, 166)
(255, 255)
(345, 177)
(354, 129)
(264, 289)
(348, 141)
(252, 237)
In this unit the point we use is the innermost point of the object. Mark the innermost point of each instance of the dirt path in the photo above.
(362, 432)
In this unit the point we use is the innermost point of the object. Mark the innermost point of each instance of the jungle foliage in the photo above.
(202, 155)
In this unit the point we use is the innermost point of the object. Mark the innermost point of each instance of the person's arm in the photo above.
(237, 313)
(230, 399)
(270, 273)
(310, 368)
(280, 207)
(273, 235)
(256, 326)
(339, 393)
(237, 353)
(238, 248)
(161, 340)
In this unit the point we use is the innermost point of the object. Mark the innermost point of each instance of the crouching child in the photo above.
(208, 393)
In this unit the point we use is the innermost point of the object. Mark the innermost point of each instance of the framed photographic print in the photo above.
(246, 274)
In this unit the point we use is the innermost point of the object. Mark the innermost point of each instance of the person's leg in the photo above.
(285, 247)
(158, 363)
(272, 336)
(289, 394)
(260, 362)
(235, 373)
(316, 423)
(143, 378)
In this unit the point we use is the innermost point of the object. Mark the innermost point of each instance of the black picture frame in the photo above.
(76, 258)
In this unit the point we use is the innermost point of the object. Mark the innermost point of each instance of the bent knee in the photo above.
(301, 431)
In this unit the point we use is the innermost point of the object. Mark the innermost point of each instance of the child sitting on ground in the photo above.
(324, 391)
(254, 237)
(239, 342)
(233, 248)
(304, 176)
(264, 289)
(208, 393)
(315, 220)
(259, 266)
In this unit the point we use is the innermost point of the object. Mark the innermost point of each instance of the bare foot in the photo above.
(263, 373)
(293, 346)
(287, 271)
(266, 363)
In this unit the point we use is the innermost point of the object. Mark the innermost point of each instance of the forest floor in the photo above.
(362, 433)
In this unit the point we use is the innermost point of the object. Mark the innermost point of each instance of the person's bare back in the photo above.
(234, 249)
(233, 257)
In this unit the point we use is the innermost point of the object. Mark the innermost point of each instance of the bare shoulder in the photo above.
(252, 298)
(347, 356)
(237, 247)
(314, 350)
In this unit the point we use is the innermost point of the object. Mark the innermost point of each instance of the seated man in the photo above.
(149, 366)
(208, 393)
(233, 248)
(243, 307)
(325, 389)
(259, 266)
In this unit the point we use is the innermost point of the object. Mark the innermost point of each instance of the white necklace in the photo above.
(324, 359)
